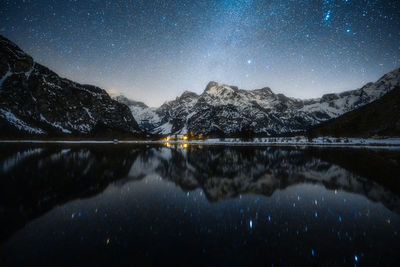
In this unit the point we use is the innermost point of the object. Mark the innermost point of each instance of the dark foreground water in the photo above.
(158, 205)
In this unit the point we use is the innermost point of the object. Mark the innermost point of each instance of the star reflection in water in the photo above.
(108, 204)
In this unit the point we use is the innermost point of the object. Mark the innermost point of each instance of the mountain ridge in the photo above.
(378, 118)
(35, 101)
(224, 110)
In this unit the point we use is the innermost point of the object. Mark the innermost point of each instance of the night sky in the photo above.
(154, 50)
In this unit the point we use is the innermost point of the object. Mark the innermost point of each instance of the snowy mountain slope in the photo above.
(36, 101)
(171, 117)
(224, 110)
(381, 117)
(175, 114)
(337, 104)
(146, 117)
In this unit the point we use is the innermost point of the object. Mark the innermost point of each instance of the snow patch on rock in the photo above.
(18, 123)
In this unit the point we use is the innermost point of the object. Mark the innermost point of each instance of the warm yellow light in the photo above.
(167, 138)
(185, 137)
(185, 145)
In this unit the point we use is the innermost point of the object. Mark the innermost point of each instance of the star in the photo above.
(199, 41)
(328, 15)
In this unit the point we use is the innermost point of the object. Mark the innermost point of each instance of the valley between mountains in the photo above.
(37, 103)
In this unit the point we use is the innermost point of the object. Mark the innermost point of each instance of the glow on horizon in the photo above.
(154, 51)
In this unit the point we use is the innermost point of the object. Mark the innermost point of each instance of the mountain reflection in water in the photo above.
(195, 205)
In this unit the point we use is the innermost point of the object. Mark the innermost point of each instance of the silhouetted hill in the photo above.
(381, 117)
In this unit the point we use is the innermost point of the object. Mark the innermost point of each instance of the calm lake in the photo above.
(106, 204)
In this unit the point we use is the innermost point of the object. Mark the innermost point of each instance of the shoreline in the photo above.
(276, 141)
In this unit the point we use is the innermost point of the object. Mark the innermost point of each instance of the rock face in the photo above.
(225, 110)
(36, 101)
(381, 117)
(147, 117)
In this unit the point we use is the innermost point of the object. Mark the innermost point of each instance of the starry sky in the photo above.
(153, 51)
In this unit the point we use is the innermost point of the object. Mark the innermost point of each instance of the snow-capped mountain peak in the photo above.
(220, 90)
(188, 94)
(224, 110)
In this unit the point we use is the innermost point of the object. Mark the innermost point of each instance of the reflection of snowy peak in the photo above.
(35, 100)
(219, 172)
(227, 172)
(224, 109)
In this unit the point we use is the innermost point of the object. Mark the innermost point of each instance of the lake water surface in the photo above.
(104, 204)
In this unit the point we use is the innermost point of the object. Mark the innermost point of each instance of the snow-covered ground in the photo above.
(303, 141)
(19, 124)
(300, 141)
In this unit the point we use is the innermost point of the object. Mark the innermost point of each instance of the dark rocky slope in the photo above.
(381, 117)
(35, 101)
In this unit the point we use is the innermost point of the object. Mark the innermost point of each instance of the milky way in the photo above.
(155, 50)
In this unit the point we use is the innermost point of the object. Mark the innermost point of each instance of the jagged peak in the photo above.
(17, 60)
(384, 84)
(265, 90)
(211, 84)
(391, 75)
(189, 94)
(329, 97)
(215, 88)
(12, 46)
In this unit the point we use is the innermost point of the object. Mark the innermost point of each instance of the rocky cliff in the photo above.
(35, 101)
(225, 110)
